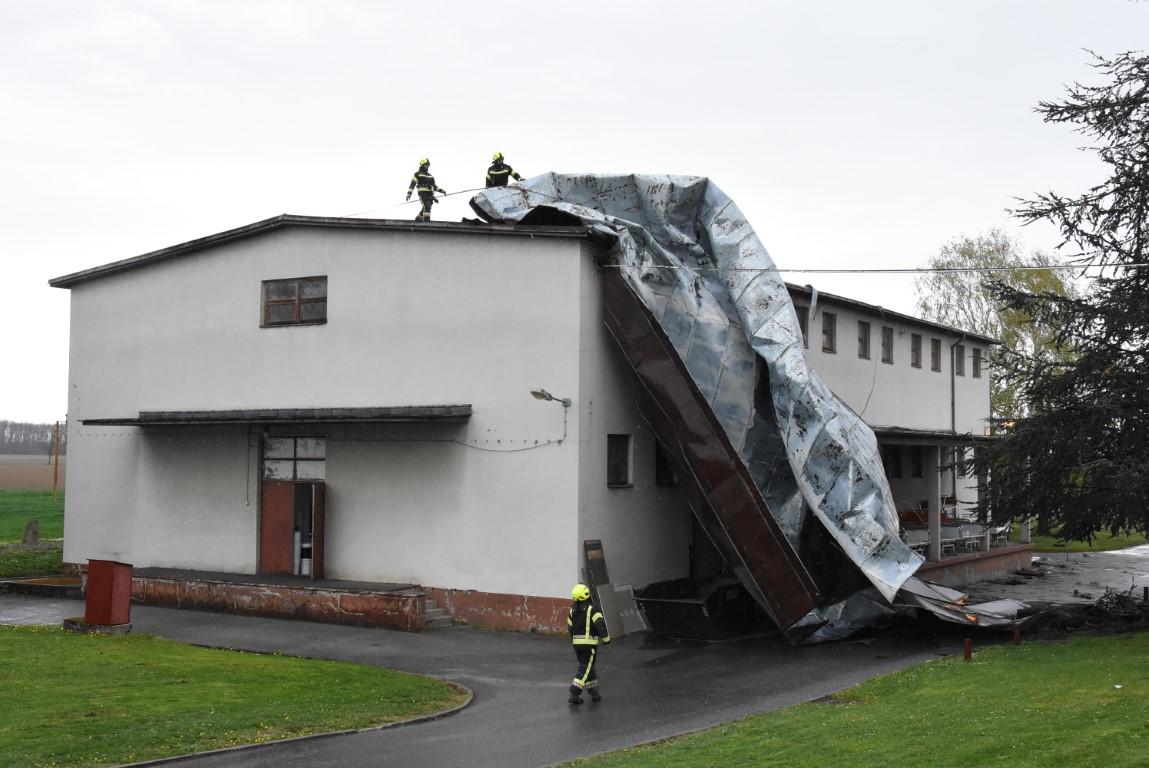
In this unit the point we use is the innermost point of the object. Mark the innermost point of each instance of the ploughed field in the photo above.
(25, 473)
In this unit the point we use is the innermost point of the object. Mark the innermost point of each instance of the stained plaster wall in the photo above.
(645, 528)
(413, 319)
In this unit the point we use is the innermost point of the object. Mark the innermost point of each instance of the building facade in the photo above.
(351, 400)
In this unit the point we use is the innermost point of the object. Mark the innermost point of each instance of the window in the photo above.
(829, 332)
(892, 460)
(977, 362)
(863, 340)
(916, 461)
(294, 458)
(618, 461)
(935, 354)
(663, 471)
(959, 359)
(916, 350)
(803, 323)
(887, 344)
(298, 301)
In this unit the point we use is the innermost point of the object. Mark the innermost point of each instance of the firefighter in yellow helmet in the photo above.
(424, 183)
(499, 172)
(587, 629)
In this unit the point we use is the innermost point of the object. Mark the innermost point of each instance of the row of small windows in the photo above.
(830, 344)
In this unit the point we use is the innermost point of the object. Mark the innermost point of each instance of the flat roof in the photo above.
(372, 415)
(330, 222)
(882, 311)
(930, 436)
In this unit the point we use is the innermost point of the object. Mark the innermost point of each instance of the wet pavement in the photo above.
(519, 715)
(1073, 578)
(651, 689)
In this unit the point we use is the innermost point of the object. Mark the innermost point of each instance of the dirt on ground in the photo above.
(1078, 592)
(29, 473)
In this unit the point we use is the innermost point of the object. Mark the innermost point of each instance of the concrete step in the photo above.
(435, 617)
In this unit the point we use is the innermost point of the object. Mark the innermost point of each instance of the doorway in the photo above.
(292, 507)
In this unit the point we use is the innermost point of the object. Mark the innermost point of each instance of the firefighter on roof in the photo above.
(498, 173)
(587, 628)
(424, 183)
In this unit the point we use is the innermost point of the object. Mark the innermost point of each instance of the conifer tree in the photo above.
(1079, 459)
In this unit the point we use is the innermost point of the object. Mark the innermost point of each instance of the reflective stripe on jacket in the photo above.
(497, 175)
(586, 624)
(422, 182)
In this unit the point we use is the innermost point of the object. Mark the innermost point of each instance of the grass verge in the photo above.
(18, 507)
(1102, 542)
(47, 561)
(1080, 703)
(91, 700)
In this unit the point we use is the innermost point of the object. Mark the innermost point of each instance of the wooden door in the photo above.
(277, 527)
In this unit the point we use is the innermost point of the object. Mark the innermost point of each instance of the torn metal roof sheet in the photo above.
(815, 487)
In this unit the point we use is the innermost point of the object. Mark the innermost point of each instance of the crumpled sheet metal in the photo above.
(951, 605)
(687, 251)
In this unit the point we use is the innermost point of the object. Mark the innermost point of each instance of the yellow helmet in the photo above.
(496, 157)
(580, 592)
(423, 161)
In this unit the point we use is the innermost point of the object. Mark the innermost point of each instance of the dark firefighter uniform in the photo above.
(587, 629)
(424, 183)
(500, 173)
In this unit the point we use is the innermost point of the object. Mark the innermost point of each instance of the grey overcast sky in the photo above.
(851, 134)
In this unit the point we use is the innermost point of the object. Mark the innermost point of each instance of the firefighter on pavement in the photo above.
(587, 629)
(499, 172)
(424, 183)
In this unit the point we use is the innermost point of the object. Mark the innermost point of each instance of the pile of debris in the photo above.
(1112, 612)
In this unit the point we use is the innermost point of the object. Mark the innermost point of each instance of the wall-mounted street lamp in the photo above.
(542, 394)
(565, 402)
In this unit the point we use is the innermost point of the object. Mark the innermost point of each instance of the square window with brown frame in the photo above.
(295, 301)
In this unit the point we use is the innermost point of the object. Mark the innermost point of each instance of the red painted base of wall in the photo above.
(404, 610)
(492, 610)
(978, 566)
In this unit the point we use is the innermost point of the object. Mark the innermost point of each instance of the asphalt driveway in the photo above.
(519, 715)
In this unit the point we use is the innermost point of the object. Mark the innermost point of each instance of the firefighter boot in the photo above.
(594, 694)
(576, 695)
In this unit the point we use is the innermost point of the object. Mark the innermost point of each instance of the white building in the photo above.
(923, 388)
(351, 399)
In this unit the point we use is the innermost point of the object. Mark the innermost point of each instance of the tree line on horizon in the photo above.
(18, 437)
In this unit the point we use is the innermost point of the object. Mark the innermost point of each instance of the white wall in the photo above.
(413, 319)
(645, 529)
(898, 395)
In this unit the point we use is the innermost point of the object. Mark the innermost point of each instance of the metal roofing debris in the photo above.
(782, 475)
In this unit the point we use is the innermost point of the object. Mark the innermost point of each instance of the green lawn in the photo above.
(1081, 704)
(1102, 542)
(36, 562)
(90, 700)
(18, 507)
